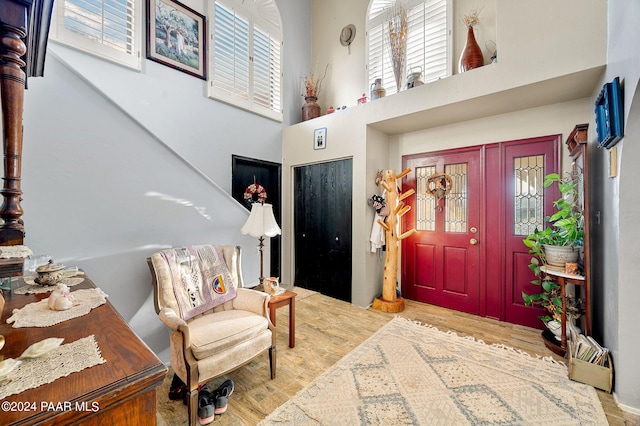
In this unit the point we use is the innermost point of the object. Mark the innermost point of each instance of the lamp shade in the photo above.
(261, 222)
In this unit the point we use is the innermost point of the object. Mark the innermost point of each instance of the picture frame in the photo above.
(176, 37)
(320, 138)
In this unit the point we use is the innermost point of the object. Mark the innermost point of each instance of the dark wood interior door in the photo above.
(246, 171)
(441, 260)
(322, 226)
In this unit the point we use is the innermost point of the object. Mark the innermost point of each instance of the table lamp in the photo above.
(261, 223)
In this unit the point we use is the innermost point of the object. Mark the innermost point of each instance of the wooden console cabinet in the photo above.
(123, 389)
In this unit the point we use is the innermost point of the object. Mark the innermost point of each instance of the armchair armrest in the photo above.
(171, 319)
(252, 301)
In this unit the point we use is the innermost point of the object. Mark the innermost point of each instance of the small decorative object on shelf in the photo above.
(377, 91)
(471, 56)
(414, 79)
(363, 99)
(330, 110)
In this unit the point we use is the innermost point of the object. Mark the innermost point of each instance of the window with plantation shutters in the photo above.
(428, 41)
(110, 29)
(246, 56)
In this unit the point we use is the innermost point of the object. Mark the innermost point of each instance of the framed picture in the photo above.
(320, 138)
(176, 37)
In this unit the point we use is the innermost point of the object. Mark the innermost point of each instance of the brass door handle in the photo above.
(473, 241)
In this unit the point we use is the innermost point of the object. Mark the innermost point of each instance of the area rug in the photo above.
(413, 374)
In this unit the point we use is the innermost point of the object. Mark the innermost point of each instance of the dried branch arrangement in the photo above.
(397, 22)
(312, 83)
(472, 18)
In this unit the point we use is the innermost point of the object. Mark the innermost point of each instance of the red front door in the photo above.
(527, 205)
(467, 253)
(441, 261)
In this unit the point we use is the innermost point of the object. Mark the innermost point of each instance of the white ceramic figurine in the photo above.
(60, 299)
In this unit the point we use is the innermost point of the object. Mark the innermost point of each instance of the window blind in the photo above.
(428, 42)
(110, 29)
(246, 59)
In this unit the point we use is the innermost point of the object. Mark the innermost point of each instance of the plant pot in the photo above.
(559, 255)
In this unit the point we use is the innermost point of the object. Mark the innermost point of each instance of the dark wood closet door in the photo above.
(322, 223)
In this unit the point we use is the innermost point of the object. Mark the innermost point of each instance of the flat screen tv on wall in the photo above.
(609, 114)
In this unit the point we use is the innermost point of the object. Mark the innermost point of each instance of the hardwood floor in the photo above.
(326, 330)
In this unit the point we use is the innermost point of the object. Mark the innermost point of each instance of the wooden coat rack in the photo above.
(390, 302)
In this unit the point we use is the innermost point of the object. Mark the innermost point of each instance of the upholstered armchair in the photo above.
(216, 325)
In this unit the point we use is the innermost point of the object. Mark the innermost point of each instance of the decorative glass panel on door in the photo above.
(456, 201)
(528, 194)
(425, 203)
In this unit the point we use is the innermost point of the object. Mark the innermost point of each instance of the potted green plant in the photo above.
(565, 234)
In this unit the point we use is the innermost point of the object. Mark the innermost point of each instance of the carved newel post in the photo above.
(12, 85)
(24, 29)
(390, 302)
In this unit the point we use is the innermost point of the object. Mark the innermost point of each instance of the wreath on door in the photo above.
(255, 189)
(439, 185)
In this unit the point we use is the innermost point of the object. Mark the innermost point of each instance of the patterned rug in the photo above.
(412, 374)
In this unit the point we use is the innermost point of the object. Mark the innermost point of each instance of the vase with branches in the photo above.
(471, 56)
(312, 85)
(397, 26)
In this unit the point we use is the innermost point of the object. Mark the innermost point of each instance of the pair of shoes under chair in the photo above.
(212, 403)
(222, 395)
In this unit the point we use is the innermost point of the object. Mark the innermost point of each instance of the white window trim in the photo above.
(59, 34)
(254, 20)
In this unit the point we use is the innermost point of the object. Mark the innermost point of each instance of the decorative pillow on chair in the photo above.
(201, 279)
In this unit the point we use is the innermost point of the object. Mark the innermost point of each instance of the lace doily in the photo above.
(33, 288)
(60, 362)
(7, 252)
(38, 314)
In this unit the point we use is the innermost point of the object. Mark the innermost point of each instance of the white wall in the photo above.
(119, 164)
(616, 263)
(547, 120)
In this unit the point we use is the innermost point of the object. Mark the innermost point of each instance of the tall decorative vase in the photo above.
(471, 55)
(310, 109)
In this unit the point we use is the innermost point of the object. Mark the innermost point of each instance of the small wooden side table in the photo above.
(286, 298)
